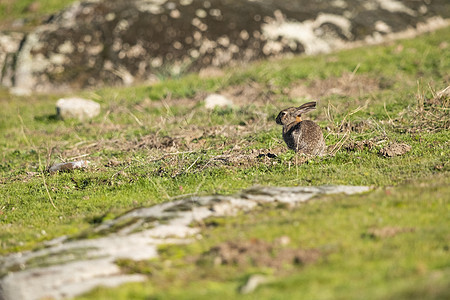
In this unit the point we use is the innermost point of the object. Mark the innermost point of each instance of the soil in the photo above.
(395, 149)
(358, 145)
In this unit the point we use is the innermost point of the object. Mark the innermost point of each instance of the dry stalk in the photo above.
(340, 143)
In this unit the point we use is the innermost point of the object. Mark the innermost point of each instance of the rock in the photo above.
(9, 45)
(216, 100)
(395, 149)
(98, 42)
(283, 240)
(69, 166)
(253, 282)
(81, 109)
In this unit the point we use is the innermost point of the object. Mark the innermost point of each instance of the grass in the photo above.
(154, 143)
(30, 11)
(411, 264)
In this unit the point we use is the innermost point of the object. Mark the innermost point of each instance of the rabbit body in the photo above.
(301, 136)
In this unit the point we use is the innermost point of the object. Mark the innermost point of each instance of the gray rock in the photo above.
(81, 109)
(69, 267)
(395, 149)
(97, 42)
(216, 100)
(9, 45)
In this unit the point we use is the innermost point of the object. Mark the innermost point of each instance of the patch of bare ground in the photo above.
(386, 232)
(353, 146)
(349, 84)
(431, 114)
(259, 253)
(395, 149)
(188, 138)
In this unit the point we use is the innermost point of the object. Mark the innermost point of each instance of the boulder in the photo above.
(217, 100)
(98, 42)
(9, 45)
(81, 109)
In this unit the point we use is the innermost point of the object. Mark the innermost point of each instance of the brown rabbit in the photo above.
(301, 136)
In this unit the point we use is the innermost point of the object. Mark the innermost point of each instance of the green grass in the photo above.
(355, 264)
(153, 143)
(32, 12)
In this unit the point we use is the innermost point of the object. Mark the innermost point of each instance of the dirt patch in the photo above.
(258, 253)
(356, 126)
(387, 231)
(395, 149)
(353, 146)
(349, 84)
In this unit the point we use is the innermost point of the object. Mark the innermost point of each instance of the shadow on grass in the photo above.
(48, 118)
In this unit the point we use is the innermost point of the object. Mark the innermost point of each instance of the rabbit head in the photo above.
(292, 114)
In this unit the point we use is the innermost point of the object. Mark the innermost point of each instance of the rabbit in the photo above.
(301, 136)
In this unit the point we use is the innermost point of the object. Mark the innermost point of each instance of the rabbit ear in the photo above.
(304, 108)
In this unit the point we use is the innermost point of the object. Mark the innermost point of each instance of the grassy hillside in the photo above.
(154, 143)
(23, 15)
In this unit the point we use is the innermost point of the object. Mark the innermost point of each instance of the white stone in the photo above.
(253, 282)
(380, 26)
(305, 33)
(67, 166)
(79, 108)
(396, 6)
(216, 100)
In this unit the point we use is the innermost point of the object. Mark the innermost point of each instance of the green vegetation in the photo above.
(154, 143)
(388, 244)
(32, 12)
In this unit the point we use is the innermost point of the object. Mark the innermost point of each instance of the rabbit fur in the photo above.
(301, 136)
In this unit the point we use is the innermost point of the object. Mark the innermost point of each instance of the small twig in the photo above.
(45, 185)
(79, 156)
(340, 143)
(192, 164)
(185, 171)
(355, 70)
(135, 118)
(349, 114)
(159, 187)
(199, 185)
(102, 125)
(385, 110)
